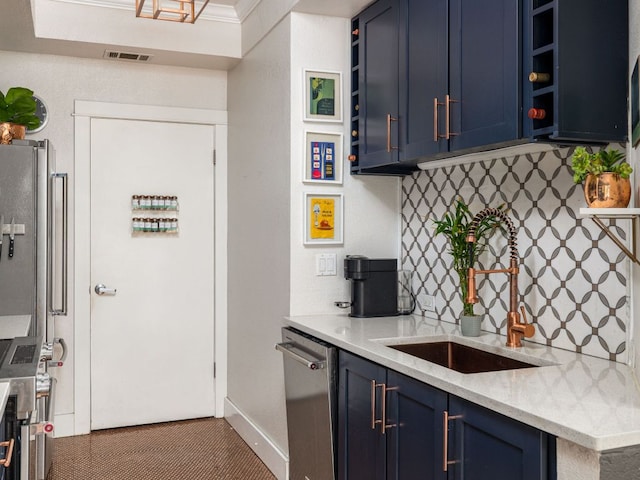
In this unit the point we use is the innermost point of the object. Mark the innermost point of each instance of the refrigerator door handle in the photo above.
(63, 357)
(65, 247)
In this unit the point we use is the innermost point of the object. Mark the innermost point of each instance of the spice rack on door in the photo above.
(155, 208)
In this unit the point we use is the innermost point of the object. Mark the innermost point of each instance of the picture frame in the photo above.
(322, 96)
(323, 219)
(322, 157)
(635, 105)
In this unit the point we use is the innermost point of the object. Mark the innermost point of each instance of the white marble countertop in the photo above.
(592, 402)
(12, 326)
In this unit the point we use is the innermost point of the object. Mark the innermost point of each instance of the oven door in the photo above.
(37, 434)
(10, 443)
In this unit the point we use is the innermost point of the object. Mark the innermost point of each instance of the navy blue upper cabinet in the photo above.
(483, 73)
(580, 93)
(377, 131)
(438, 78)
(434, 76)
(424, 68)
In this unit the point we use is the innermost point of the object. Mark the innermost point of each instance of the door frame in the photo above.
(84, 111)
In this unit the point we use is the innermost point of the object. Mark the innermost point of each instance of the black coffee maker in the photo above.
(374, 286)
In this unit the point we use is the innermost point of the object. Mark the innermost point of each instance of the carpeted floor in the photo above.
(204, 449)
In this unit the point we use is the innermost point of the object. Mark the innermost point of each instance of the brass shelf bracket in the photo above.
(633, 214)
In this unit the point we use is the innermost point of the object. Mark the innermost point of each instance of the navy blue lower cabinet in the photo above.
(360, 446)
(414, 431)
(392, 427)
(389, 425)
(484, 445)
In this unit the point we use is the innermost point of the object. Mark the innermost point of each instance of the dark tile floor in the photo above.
(204, 449)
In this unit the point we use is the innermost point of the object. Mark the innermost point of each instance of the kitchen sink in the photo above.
(461, 358)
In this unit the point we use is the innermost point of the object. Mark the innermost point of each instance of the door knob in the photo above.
(101, 289)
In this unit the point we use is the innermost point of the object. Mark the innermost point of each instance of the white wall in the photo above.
(61, 80)
(634, 157)
(372, 204)
(271, 272)
(258, 235)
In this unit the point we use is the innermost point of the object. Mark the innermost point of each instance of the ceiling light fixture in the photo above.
(183, 11)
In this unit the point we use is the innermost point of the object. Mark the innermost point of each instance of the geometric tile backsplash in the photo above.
(573, 280)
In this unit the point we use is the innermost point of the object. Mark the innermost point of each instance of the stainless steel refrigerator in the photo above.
(33, 273)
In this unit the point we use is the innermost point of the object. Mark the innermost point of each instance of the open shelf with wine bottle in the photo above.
(575, 84)
(355, 93)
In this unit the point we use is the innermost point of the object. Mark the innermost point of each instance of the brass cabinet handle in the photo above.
(435, 119)
(374, 422)
(448, 132)
(390, 119)
(6, 461)
(445, 440)
(384, 424)
(383, 420)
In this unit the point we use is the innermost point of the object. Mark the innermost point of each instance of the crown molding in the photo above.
(245, 7)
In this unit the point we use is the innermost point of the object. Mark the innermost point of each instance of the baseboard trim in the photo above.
(265, 449)
(64, 425)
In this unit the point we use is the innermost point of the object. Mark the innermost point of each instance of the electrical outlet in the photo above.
(427, 303)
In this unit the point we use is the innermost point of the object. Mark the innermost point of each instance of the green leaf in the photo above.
(454, 225)
(16, 93)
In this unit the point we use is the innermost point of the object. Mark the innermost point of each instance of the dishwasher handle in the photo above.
(310, 363)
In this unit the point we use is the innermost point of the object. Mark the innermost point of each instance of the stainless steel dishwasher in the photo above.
(310, 386)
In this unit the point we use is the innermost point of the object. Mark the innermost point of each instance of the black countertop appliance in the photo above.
(374, 286)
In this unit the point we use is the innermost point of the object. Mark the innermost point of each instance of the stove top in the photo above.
(19, 362)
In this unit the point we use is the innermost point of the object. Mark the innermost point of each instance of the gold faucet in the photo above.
(515, 328)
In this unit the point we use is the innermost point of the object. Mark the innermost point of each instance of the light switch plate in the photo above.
(326, 264)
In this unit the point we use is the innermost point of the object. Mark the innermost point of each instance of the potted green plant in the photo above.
(605, 175)
(455, 226)
(17, 113)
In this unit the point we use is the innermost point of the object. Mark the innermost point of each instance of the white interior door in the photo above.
(152, 352)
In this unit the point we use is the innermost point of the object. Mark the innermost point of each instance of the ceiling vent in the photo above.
(136, 57)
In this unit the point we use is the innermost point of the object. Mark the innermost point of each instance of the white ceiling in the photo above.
(89, 28)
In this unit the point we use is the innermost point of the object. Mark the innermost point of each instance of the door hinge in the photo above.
(214, 157)
(214, 370)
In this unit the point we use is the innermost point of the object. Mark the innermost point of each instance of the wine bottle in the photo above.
(538, 77)
(537, 113)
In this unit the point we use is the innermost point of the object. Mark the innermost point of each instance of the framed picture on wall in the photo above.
(322, 157)
(323, 219)
(322, 96)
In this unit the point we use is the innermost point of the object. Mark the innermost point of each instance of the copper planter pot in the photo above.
(9, 131)
(607, 190)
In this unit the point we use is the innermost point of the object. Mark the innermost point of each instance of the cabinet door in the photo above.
(378, 83)
(484, 72)
(361, 446)
(486, 445)
(424, 74)
(415, 441)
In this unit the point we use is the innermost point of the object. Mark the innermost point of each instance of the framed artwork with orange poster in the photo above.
(322, 157)
(323, 219)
